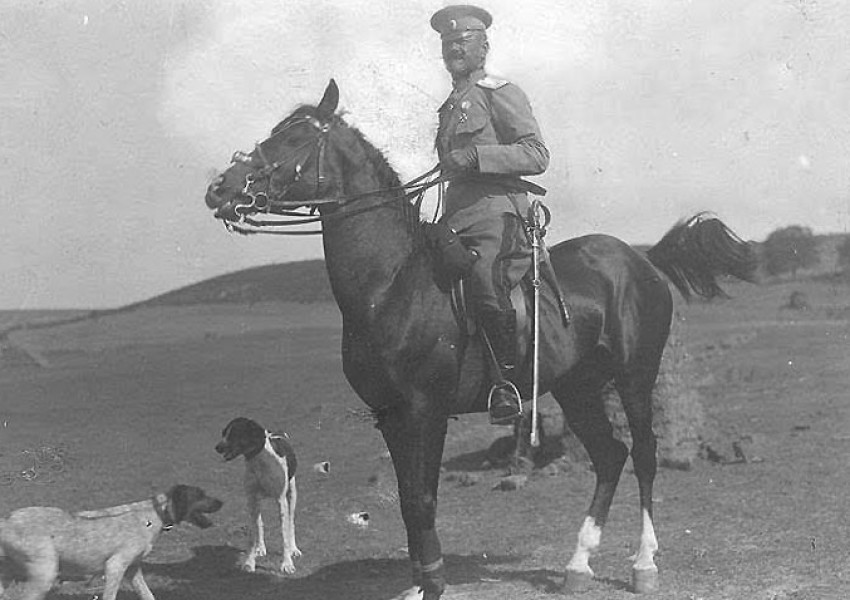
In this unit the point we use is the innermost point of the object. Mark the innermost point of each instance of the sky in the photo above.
(116, 114)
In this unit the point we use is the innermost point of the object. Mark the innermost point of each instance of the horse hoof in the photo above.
(577, 581)
(644, 581)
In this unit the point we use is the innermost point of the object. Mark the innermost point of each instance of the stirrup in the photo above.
(512, 388)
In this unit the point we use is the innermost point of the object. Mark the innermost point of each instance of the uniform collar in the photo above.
(462, 85)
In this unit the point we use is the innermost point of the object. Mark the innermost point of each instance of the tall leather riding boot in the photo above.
(504, 402)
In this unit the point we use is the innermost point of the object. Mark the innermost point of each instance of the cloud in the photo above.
(228, 89)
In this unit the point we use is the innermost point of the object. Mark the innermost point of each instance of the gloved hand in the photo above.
(465, 159)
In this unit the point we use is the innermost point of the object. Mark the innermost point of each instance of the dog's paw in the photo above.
(248, 565)
(287, 567)
(414, 593)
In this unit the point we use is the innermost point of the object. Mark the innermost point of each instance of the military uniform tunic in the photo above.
(486, 206)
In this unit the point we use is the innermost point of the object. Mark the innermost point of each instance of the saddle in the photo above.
(522, 301)
(452, 263)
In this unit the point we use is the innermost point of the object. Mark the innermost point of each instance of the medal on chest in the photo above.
(464, 106)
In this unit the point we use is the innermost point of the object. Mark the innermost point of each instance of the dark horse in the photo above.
(406, 356)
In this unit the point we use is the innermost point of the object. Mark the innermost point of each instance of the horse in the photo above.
(409, 359)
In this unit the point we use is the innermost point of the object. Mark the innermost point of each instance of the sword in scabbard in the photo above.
(536, 242)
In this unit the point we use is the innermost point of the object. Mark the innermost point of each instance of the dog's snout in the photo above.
(226, 450)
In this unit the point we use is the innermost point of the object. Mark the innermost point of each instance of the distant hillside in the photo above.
(307, 281)
(303, 281)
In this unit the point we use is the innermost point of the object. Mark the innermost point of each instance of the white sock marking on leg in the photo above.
(648, 545)
(589, 537)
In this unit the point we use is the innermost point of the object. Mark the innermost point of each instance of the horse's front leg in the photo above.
(415, 435)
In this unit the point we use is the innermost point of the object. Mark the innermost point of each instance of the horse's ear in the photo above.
(327, 107)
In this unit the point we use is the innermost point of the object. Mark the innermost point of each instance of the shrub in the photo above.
(789, 249)
(844, 255)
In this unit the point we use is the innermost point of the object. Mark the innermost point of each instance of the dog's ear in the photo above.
(182, 500)
(226, 431)
(189, 503)
(178, 504)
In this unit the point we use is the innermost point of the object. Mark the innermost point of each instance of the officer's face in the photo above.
(465, 54)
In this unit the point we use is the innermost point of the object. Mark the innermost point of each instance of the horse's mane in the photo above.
(387, 176)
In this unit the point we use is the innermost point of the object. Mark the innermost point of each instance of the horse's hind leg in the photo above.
(584, 410)
(635, 389)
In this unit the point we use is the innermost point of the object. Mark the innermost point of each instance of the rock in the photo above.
(463, 478)
(511, 482)
(679, 464)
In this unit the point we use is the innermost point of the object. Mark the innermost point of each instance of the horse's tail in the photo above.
(699, 250)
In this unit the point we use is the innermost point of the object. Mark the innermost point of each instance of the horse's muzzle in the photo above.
(224, 208)
(212, 198)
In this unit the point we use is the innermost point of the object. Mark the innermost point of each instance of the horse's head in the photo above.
(285, 171)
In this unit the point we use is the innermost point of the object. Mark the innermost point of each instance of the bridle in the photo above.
(265, 200)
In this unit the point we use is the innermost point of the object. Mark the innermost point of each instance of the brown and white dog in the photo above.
(269, 473)
(40, 543)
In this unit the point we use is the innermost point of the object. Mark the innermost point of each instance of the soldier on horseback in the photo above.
(487, 139)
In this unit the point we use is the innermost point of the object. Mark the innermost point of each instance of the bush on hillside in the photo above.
(789, 249)
(844, 256)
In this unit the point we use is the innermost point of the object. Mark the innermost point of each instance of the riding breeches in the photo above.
(505, 256)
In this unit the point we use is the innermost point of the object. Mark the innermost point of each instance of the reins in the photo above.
(413, 188)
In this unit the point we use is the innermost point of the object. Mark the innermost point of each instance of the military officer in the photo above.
(487, 139)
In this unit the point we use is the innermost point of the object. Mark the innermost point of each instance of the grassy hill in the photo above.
(304, 281)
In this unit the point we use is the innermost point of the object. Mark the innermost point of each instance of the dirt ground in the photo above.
(130, 404)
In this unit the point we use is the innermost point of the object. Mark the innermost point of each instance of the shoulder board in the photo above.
(492, 83)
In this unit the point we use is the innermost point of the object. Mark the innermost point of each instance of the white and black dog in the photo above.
(269, 473)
